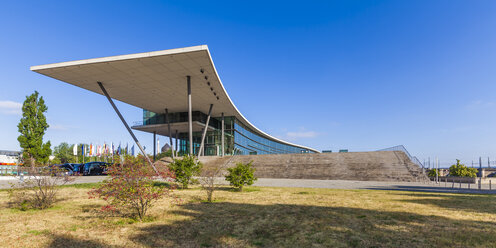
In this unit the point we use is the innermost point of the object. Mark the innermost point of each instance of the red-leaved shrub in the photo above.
(131, 187)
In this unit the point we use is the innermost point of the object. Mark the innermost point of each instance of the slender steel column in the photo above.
(176, 143)
(200, 152)
(170, 134)
(154, 145)
(222, 136)
(190, 117)
(127, 127)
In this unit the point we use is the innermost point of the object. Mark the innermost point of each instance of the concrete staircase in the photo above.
(362, 166)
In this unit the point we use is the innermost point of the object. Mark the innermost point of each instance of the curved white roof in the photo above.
(155, 81)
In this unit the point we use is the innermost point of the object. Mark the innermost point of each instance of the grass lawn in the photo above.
(262, 217)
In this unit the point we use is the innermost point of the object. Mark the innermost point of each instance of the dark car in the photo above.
(95, 168)
(63, 169)
(77, 169)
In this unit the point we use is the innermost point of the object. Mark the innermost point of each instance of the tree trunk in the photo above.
(31, 160)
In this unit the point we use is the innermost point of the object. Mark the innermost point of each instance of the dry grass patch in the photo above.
(262, 217)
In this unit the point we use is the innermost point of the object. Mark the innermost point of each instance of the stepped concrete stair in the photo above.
(363, 166)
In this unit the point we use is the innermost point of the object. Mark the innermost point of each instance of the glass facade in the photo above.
(150, 118)
(247, 142)
(238, 138)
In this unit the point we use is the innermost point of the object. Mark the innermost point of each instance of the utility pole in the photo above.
(480, 171)
(437, 171)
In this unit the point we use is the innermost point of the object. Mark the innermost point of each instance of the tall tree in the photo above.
(32, 127)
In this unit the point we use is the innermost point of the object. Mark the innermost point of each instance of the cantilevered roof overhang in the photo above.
(155, 81)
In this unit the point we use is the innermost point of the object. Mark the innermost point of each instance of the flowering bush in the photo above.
(130, 187)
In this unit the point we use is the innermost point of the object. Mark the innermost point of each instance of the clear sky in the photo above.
(357, 75)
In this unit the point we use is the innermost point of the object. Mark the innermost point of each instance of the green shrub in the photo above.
(161, 155)
(241, 175)
(460, 170)
(184, 169)
(432, 173)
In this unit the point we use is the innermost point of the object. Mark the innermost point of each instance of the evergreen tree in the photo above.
(32, 127)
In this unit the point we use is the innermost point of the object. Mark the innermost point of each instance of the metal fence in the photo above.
(403, 149)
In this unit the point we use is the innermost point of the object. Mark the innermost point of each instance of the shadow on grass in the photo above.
(246, 189)
(432, 189)
(282, 225)
(480, 203)
(67, 241)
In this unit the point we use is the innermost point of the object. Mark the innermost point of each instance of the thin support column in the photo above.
(200, 152)
(170, 134)
(154, 145)
(222, 136)
(176, 151)
(190, 117)
(127, 126)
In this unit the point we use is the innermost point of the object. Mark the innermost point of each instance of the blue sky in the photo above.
(357, 75)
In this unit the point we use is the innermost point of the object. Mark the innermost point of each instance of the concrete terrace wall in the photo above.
(363, 166)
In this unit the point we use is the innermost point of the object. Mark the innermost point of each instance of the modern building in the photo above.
(181, 95)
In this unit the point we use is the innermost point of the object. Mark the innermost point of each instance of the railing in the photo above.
(403, 149)
(12, 170)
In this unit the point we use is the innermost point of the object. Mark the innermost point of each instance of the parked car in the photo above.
(95, 168)
(64, 169)
(77, 169)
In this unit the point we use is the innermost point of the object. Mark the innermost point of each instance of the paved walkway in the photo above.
(376, 185)
(6, 180)
(328, 184)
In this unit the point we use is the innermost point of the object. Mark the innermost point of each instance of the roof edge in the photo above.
(121, 57)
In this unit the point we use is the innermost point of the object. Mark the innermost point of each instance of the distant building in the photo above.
(8, 159)
(165, 148)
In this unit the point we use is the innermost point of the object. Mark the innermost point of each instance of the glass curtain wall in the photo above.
(238, 139)
(248, 142)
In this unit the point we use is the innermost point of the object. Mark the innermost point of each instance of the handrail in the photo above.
(403, 149)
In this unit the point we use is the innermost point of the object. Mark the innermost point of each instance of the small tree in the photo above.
(460, 170)
(184, 169)
(209, 178)
(32, 127)
(39, 189)
(130, 187)
(241, 175)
